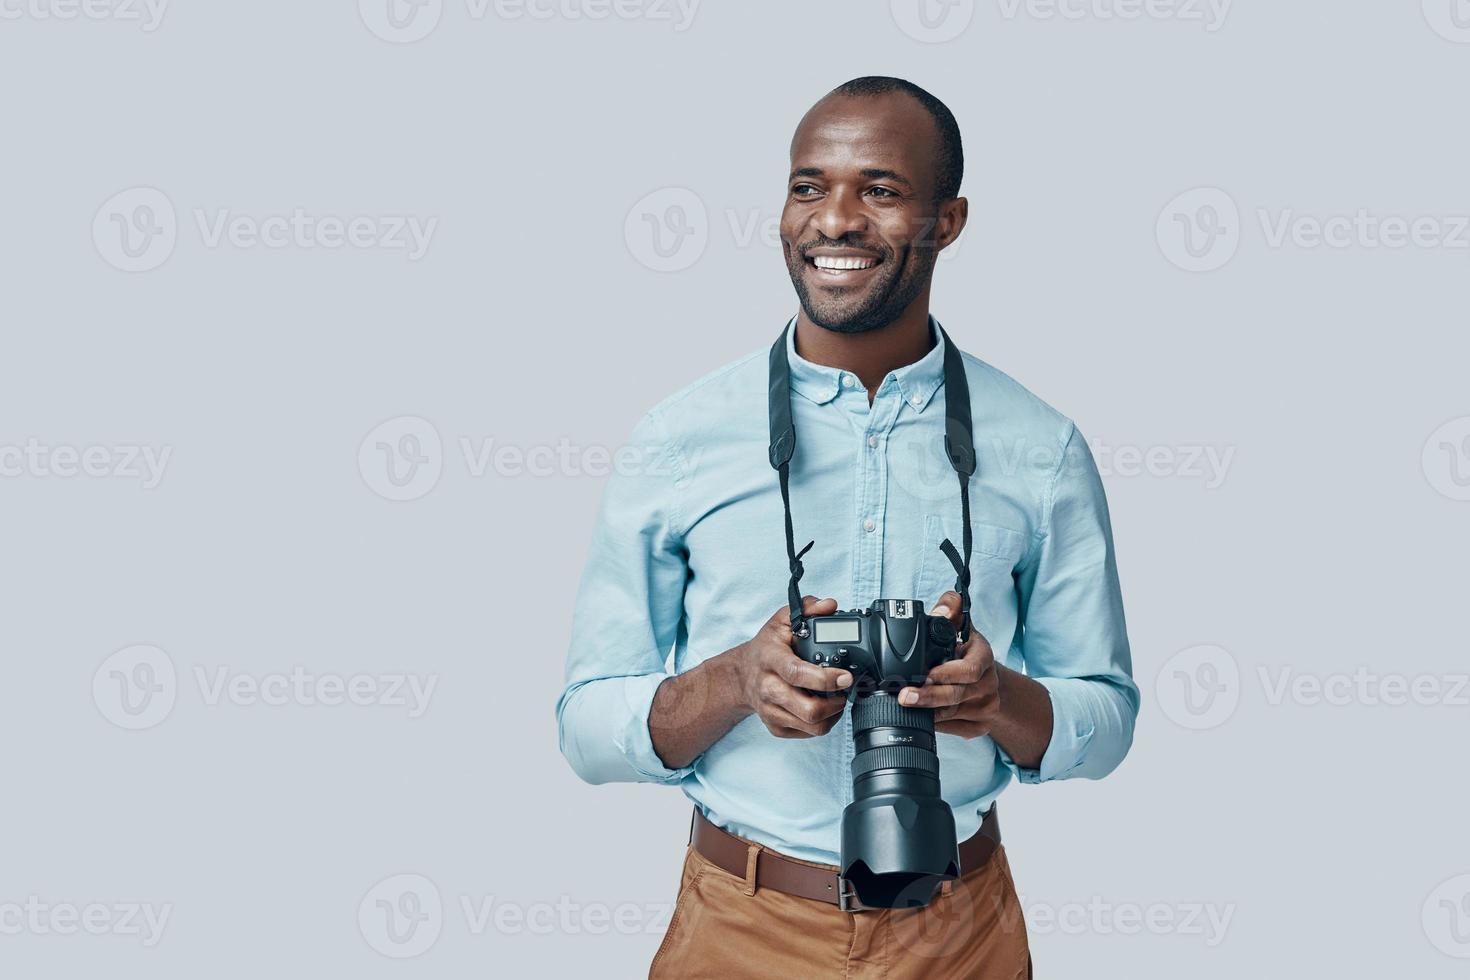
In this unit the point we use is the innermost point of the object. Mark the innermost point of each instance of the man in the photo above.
(688, 557)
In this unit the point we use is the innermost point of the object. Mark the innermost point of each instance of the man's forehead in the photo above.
(876, 131)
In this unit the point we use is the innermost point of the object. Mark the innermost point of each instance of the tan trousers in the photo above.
(722, 929)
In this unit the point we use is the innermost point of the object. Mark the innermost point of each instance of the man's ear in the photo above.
(951, 221)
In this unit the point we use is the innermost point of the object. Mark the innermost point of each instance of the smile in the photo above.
(842, 266)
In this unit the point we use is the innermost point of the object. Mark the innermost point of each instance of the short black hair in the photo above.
(951, 160)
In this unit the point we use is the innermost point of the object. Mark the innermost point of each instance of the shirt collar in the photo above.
(917, 382)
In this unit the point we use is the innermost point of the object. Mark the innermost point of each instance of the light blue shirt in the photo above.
(688, 558)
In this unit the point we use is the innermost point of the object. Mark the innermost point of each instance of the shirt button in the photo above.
(868, 525)
(872, 442)
(915, 400)
(847, 381)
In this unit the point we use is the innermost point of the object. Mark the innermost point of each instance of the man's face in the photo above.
(861, 229)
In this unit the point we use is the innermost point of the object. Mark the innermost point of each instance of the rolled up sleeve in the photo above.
(1073, 637)
(626, 618)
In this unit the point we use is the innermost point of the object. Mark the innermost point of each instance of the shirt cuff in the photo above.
(1072, 729)
(634, 741)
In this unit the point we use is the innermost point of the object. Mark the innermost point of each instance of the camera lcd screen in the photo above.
(836, 631)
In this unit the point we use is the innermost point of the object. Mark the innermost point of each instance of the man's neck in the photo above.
(872, 354)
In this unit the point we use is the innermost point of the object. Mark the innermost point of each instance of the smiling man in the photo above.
(687, 559)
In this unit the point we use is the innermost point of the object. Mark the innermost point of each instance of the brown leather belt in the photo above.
(805, 880)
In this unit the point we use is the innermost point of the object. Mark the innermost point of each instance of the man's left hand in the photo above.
(964, 692)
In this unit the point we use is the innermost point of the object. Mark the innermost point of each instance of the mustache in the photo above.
(874, 250)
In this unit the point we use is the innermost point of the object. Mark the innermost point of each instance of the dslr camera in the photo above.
(898, 834)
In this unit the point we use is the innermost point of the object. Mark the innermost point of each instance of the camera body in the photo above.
(889, 645)
(898, 834)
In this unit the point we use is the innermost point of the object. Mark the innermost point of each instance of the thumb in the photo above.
(812, 606)
(948, 606)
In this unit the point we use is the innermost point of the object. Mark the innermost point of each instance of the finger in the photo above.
(798, 673)
(816, 607)
(969, 670)
(810, 606)
(932, 695)
(810, 709)
(775, 714)
(949, 606)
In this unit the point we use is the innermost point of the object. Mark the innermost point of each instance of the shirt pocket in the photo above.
(994, 554)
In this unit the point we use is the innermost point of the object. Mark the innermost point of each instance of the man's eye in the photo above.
(883, 192)
(803, 190)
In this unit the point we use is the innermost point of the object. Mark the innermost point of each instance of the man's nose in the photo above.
(841, 213)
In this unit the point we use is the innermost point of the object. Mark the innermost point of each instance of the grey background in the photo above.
(1332, 835)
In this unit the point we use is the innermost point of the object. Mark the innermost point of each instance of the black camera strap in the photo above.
(959, 445)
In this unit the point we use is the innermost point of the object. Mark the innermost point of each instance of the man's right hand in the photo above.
(777, 685)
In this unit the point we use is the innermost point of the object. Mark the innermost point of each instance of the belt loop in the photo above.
(752, 856)
(947, 888)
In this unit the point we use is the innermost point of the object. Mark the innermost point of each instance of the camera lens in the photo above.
(898, 840)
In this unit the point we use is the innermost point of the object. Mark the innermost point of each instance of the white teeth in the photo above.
(842, 262)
